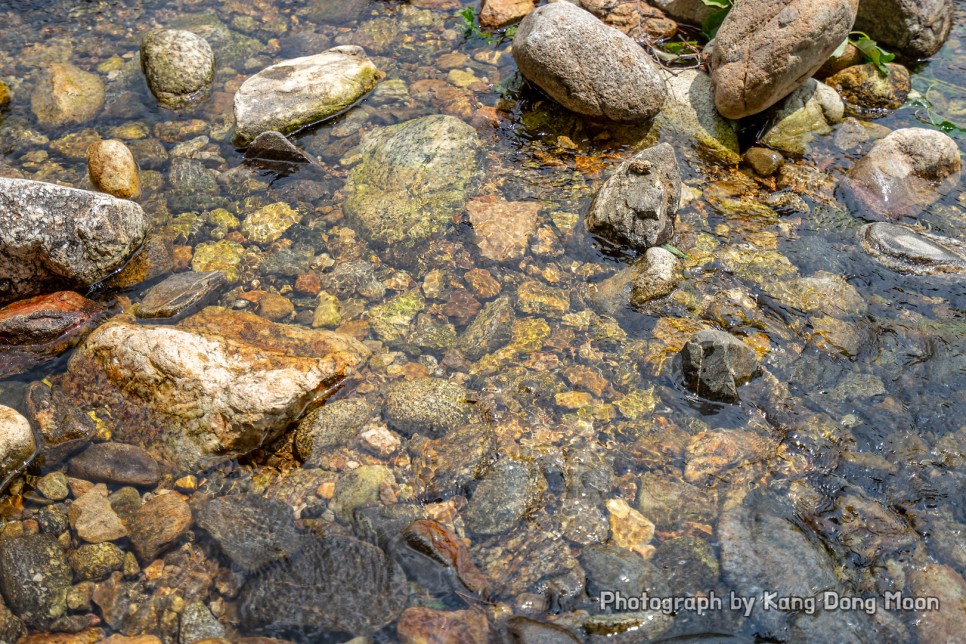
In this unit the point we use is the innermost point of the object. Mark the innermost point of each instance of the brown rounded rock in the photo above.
(66, 94)
(158, 524)
(112, 169)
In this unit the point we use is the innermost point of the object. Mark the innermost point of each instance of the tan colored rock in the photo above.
(765, 49)
(629, 528)
(66, 94)
(500, 13)
(112, 169)
(216, 386)
(503, 228)
(158, 524)
(17, 443)
(426, 625)
(92, 517)
(948, 623)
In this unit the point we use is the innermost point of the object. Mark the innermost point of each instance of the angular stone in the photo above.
(331, 425)
(413, 180)
(93, 562)
(586, 66)
(690, 110)
(116, 463)
(181, 294)
(66, 94)
(42, 327)
(275, 147)
(51, 234)
(917, 29)
(716, 363)
(179, 67)
(638, 204)
(765, 49)
(63, 427)
(499, 13)
(294, 93)
(93, 518)
(216, 386)
(805, 114)
(159, 523)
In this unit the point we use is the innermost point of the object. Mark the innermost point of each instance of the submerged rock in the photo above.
(66, 94)
(117, 463)
(252, 531)
(179, 67)
(808, 112)
(716, 363)
(948, 588)
(17, 444)
(910, 251)
(39, 328)
(916, 29)
(34, 578)
(294, 93)
(180, 294)
(413, 180)
(158, 524)
(868, 93)
(429, 406)
(765, 49)
(216, 386)
(331, 425)
(334, 584)
(507, 493)
(112, 169)
(50, 234)
(502, 229)
(587, 66)
(638, 204)
(903, 174)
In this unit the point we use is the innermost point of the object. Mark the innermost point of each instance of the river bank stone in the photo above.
(216, 386)
(903, 174)
(42, 327)
(869, 94)
(638, 204)
(251, 530)
(334, 584)
(587, 66)
(179, 67)
(66, 94)
(507, 493)
(294, 93)
(765, 50)
(34, 578)
(916, 29)
(51, 234)
(17, 444)
(413, 179)
(690, 110)
(805, 114)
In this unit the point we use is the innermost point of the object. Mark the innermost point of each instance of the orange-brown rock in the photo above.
(428, 626)
(112, 169)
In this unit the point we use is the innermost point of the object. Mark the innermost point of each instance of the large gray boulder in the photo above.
(765, 49)
(51, 235)
(178, 65)
(413, 178)
(294, 93)
(638, 204)
(903, 174)
(214, 387)
(916, 28)
(586, 66)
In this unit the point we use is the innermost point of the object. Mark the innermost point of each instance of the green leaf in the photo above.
(674, 250)
(711, 25)
(720, 4)
(840, 49)
(872, 52)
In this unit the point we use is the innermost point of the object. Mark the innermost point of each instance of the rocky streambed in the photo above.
(428, 321)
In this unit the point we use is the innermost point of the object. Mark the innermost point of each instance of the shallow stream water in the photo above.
(856, 437)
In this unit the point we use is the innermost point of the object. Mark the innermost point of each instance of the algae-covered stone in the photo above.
(489, 330)
(331, 425)
(294, 93)
(179, 67)
(221, 256)
(34, 578)
(690, 110)
(390, 321)
(808, 112)
(430, 406)
(267, 224)
(360, 488)
(93, 562)
(868, 93)
(413, 179)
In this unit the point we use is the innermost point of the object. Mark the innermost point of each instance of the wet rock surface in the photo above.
(294, 93)
(66, 94)
(112, 169)
(808, 112)
(868, 93)
(429, 406)
(586, 66)
(180, 295)
(116, 463)
(34, 578)
(716, 363)
(252, 531)
(51, 234)
(907, 250)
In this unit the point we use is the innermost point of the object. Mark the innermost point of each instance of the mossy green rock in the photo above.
(430, 406)
(413, 179)
(223, 256)
(690, 111)
(391, 320)
(179, 67)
